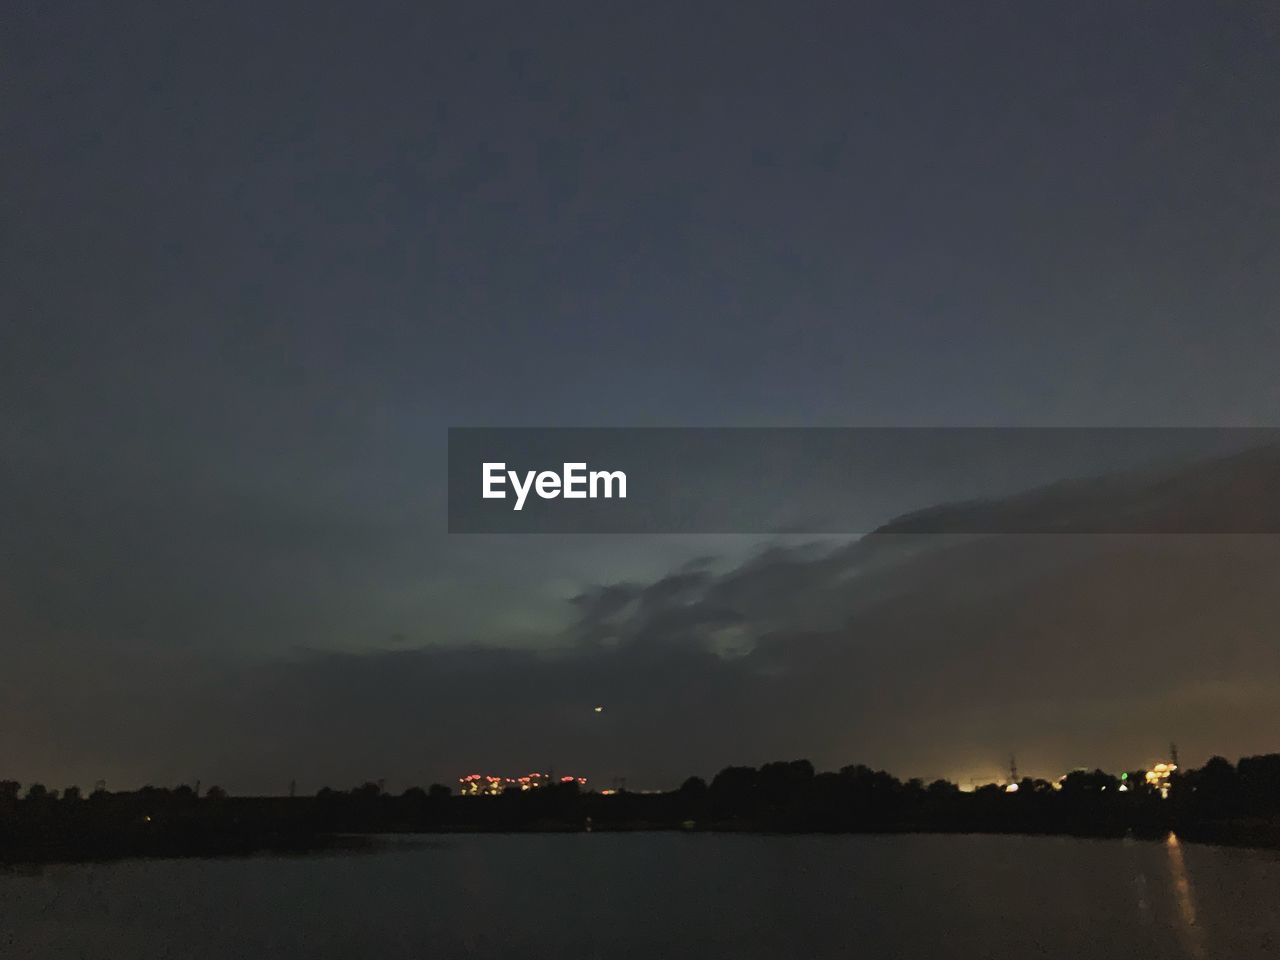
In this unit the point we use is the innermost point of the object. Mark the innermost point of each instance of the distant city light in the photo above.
(483, 784)
(1158, 777)
(1011, 788)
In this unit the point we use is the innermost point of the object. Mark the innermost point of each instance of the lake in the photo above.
(662, 895)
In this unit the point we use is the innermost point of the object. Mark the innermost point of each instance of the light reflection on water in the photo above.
(665, 896)
(1185, 895)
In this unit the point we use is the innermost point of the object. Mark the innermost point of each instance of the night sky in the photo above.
(258, 257)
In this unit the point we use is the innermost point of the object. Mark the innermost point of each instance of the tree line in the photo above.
(1219, 802)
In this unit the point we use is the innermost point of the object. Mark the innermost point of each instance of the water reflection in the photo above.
(673, 896)
(1189, 932)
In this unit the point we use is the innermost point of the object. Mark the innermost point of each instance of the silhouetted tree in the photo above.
(695, 788)
(733, 791)
(872, 794)
(1218, 803)
(1084, 781)
(1260, 782)
(1215, 788)
(1136, 781)
(783, 776)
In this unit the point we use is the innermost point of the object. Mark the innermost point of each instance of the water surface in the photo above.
(664, 896)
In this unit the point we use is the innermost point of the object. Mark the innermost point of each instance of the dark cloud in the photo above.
(930, 654)
(926, 654)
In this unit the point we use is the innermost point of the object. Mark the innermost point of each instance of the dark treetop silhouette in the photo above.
(1220, 802)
